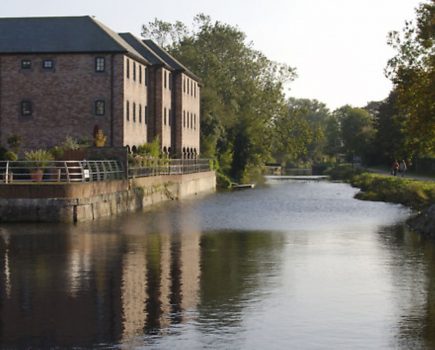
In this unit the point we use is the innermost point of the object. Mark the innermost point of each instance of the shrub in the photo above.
(10, 155)
(39, 157)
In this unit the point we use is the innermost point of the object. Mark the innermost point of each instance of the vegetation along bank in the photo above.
(416, 194)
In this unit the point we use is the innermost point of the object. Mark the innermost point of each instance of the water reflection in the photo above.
(412, 265)
(197, 274)
(98, 287)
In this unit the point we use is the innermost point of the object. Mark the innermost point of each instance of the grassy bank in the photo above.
(416, 194)
(412, 193)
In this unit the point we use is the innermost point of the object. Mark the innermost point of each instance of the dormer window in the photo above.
(48, 64)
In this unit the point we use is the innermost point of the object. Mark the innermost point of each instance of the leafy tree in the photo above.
(242, 90)
(357, 131)
(299, 135)
(412, 72)
(334, 142)
(389, 123)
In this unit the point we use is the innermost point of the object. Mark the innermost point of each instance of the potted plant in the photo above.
(39, 159)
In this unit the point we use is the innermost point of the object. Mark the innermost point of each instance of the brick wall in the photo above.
(63, 98)
(187, 115)
(135, 93)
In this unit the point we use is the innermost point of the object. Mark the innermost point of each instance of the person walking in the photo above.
(394, 167)
(402, 168)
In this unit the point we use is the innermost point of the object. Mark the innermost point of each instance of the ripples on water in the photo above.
(295, 265)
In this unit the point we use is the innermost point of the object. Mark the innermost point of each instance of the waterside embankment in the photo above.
(74, 202)
(416, 194)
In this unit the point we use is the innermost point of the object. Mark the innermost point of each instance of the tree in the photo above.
(412, 72)
(357, 130)
(242, 90)
(389, 122)
(300, 133)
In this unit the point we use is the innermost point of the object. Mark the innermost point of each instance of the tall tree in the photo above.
(412, 72)
(242, 90)
(357, 131)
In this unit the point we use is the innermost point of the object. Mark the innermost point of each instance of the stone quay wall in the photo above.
(75, 202)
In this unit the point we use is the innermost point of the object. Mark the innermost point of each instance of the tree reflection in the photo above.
(413, 272)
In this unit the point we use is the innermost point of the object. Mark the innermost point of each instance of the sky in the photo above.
(338, 47)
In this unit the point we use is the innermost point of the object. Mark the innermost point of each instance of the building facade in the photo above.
(67, 76)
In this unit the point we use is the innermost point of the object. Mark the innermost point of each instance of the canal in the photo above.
(293, 265)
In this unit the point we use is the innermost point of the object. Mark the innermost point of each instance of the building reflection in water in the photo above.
(115, 282)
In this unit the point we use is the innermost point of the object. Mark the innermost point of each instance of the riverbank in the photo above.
(416, 194)
(74, 202)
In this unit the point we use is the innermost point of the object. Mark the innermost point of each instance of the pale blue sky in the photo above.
(338, 46)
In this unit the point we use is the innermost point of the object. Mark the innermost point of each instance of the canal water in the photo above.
(293, 265)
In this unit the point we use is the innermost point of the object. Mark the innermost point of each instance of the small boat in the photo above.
(235, 186)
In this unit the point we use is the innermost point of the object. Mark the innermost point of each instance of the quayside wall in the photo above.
(75, 202)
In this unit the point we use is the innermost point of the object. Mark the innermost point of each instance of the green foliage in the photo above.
(299, 135)
(357, 131)
(57, 152)
(343, 172)
(14, 143)
(70, 144)
(10, 155)
(39, 157)
(412, 72)
(413, 193)
(242, 90)
(151, 150)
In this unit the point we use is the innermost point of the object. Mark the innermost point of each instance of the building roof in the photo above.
(169, 60)
(143, 49)
(60, 35)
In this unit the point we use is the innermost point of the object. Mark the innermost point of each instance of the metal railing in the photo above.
(60, 171)
(94, 170)
(169, 167)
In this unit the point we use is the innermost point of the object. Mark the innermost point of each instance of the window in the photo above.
(48, 64)
(134, 71)
(184, 119)
(184, 85)
(26, 64)
(169, 117)
(127, 112)
(165, 79)
(140, 113)
(170, 81)
(140, 74)
(194, 90)
(134, 112)
(26, 108)
(146, 76)
(188, 84)
(128, 68)
(100, 64)
(164, 117)
(100, 107)
(194, 121)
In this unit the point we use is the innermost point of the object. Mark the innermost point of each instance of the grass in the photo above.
(416, 194)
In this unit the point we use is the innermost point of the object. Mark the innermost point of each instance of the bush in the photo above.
(10, 155)
(39, 157)
(342, 172)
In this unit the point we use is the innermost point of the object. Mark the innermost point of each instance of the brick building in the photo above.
(62, 76)
(175, 105)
